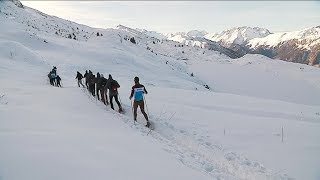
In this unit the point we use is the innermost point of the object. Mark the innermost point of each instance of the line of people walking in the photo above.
(99, 86)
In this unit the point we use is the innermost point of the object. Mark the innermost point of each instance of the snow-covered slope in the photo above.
(238, 35)
(232, 131)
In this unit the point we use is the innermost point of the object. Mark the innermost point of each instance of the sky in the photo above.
(183, 16)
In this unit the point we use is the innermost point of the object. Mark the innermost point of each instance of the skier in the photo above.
(79, 77)
(137, 92)
(113, 86)
(58, 79)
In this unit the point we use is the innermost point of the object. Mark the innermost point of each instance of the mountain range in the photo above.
(296, 46)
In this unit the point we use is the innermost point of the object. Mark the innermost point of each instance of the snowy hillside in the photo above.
(252, 118)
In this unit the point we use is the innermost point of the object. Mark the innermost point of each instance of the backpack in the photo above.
(114, 85)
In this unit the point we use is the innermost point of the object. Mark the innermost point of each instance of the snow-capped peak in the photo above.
(197, 33)
(306, 38)
(238, 35)
(122, 27)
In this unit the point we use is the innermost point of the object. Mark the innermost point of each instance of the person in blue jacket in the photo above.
(137, 93)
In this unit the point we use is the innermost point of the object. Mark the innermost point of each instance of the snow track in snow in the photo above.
(193, 150)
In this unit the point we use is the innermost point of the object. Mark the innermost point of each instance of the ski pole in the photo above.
(95, 89)
(134, 122)
(119, 99)
(145, 101)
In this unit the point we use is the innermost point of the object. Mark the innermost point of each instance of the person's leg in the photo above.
(117, 101)
(78, 82)
(106, 95)
(81, 83)
(102, 96)
(111, 103)
(141, 104)
(93, 89)
(97, 91)
(135, 107)
(87, 84)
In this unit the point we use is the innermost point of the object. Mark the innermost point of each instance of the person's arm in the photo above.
(118, 85)
(145, 90)
(132, 91)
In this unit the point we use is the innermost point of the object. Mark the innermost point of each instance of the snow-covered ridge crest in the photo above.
(17, 3)
(238, 35)
(307, 38)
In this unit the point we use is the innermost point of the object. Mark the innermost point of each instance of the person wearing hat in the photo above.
(113, 86)
(137, 92)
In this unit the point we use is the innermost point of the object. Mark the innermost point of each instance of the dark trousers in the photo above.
(51, 81)
(135, 107)
(87, 84)
(117, 101)
(97, 91)
(92, 89)
(104, 97)
(58, 84)
(80, 82)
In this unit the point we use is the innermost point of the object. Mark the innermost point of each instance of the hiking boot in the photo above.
(148, 124)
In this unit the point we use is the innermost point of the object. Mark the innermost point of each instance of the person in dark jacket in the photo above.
(113, 86)
(102, 85)
(54, 70)
(52, 77)
(137, 93)
(97, 85)
(86, 75)
(79, 77)
(58, 79)
(92, 80)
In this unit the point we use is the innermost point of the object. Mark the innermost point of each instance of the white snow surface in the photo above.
(231, 132)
